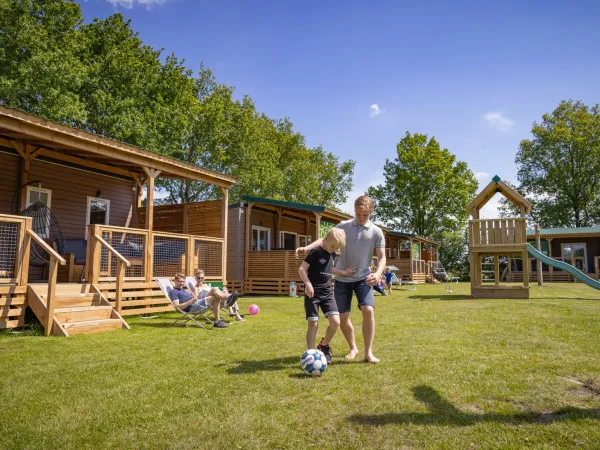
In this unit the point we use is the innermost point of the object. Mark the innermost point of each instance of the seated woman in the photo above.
(201, 290)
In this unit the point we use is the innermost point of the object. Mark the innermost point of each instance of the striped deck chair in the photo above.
(166, 286)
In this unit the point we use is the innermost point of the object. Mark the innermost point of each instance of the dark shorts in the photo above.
(323, 299)
(343, 295)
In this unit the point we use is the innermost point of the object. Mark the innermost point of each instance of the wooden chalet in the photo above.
(579, 247)
(264, 234)
(109, 259)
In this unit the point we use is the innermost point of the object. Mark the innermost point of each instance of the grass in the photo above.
(455, 373)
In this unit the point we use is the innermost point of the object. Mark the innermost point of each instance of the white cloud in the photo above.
(375, 110)
(499, 121)
(490, 209)
(481, 175)
(128, 4)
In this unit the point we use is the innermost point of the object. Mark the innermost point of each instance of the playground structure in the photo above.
(491, 239)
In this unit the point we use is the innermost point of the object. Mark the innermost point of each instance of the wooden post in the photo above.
(22, 260)
(149, 248)
(278, 243)
(50, 297)
(525, 257)
(411, 259)
(538, 264)
(94, 264)
(224, 225)
(119, 287)
(248, 240)
(191, 256)
(317, 226)
(185, 218)
(496, 270)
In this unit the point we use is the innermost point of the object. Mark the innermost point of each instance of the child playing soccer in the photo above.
(316, 272)
(388, 280)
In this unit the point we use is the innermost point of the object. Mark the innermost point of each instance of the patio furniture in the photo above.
(166, 286)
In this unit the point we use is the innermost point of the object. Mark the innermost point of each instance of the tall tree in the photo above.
(426, 190)
(40, 71)
(559, 168)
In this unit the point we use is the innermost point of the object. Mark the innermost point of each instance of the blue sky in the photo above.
(355, 76)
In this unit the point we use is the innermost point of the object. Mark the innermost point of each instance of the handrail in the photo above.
(113, 251)
(46, 247)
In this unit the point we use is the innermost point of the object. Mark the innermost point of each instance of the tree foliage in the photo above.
(100, 77)
(426, 190)
(559, 168)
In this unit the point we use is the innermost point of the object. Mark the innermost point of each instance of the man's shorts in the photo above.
(323, 298)
(197, 306)
(343, 295)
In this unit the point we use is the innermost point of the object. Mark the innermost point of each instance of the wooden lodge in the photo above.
(579, 247)
(92, 260)
(264, 234)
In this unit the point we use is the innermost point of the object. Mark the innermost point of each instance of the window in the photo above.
(98, 212)
(303, 240)
(41, 225)
(576, 250)
(261, 238)
(288, 240)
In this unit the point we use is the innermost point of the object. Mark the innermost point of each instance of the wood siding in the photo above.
(236, 244)
(592, 247)
(10, 166)
(203, 218)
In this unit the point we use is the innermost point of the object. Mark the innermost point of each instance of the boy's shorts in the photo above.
(323, 298)
(343, 294)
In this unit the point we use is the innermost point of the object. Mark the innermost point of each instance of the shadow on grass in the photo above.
(440, 297)
(266, 365)
(442, 412)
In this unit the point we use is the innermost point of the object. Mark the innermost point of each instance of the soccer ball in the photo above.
(313, 362)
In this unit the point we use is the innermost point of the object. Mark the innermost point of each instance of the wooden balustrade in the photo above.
(55, 260)
(487, 232)
(121, 264)
(279, 264)
(597, 267)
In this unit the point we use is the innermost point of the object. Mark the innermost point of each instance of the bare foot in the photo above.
(352, 354)
(371, 359)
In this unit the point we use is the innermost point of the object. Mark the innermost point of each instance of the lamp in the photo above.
(99, 193)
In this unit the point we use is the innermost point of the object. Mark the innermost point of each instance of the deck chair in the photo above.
(166, 286)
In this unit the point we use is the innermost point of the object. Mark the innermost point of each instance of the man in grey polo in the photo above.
(363, 238)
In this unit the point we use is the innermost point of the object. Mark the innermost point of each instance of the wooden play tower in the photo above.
(491, 239)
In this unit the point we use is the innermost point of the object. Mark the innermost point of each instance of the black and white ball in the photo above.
(313, 362)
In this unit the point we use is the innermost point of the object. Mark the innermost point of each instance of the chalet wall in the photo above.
(70, 189)
(10, 167)
(203, 218)
(236, 243)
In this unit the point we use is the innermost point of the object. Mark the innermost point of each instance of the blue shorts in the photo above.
(343, 294)
(197, 306)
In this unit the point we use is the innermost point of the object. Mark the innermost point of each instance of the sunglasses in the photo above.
(199, 278)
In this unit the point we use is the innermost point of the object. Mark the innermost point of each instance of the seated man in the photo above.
(201, 290)
(190, 303)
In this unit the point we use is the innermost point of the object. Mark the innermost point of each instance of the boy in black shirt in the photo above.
(316, 272)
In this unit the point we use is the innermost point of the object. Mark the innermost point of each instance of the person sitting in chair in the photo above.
(189, 302)
(201, 290)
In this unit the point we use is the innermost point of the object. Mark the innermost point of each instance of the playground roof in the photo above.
(497, 185)
(564, 232)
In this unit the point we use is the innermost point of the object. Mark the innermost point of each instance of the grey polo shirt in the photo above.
(361, 242)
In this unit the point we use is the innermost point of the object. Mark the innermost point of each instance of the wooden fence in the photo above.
(488, 232)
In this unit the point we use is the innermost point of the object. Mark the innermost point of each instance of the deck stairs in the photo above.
(78, 309)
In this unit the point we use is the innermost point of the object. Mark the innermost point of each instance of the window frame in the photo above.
(88, 210)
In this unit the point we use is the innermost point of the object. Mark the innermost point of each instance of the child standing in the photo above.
(316, 272)
(388, 280)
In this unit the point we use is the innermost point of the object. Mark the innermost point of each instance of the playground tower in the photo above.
(497, 238)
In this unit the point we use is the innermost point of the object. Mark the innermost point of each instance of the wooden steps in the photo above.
(77, 309)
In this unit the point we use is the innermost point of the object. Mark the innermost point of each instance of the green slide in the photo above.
(563, 266)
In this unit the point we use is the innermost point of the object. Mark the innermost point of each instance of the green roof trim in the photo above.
(496, 179)
(401, 233)
(565, 231)
(283, 204)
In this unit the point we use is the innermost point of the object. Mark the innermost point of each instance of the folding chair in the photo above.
(166, 286)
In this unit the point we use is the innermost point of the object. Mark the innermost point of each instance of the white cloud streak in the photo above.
(499, 121)
(481, 175)
(129, 4)
(375, 110)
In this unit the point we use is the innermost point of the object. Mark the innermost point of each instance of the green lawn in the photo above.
(455, 373)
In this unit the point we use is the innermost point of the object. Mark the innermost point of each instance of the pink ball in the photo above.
(253, 310)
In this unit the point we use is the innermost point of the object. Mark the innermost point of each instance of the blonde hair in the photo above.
(338, 235)
(365, 202)
(179, 275)
(198, 272)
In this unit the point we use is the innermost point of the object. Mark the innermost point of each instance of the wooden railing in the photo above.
(419, 266)
(597, 267)
(152, 254)
(497, 232)
(55, 260)
(14, 249)
(279, 264)
(121, 264)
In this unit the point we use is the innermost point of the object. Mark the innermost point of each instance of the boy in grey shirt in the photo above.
(363, 237)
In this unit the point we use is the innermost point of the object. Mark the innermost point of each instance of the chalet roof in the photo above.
(53, 140)
(566, 232)
(408, 236)
(298, 206)
(497, 185)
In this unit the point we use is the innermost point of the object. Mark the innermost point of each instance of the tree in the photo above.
(559, 168)
(40, 71)
(454, 252)
(426, 190)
